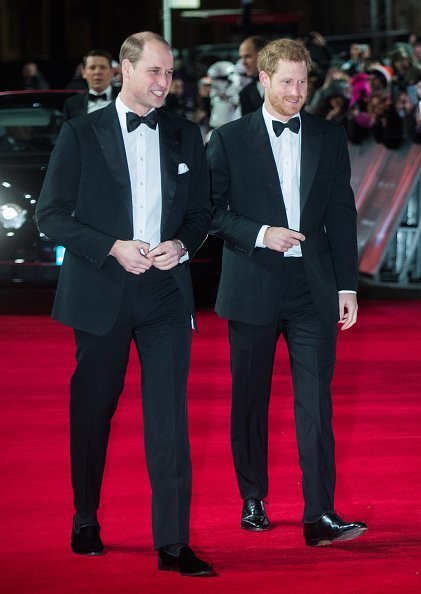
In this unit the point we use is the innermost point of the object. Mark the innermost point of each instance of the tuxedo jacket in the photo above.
(250, 98)
(86, 205)
(246, 194)
(78, 104)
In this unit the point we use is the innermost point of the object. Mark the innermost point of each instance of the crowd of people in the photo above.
(371, 96)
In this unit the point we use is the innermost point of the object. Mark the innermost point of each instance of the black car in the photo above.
(29, 125)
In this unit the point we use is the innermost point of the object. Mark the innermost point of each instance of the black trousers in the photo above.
(154, 315)
(311, 345)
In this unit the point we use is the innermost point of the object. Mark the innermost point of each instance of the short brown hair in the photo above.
(133, 46)
(282, 49)
(97, 52)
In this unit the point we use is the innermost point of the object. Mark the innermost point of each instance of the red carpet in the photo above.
(377, 424)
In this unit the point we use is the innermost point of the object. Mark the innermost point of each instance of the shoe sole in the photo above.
(201, 574)
(352, 534)
(197, 574)
(89, 553)
(347, 536)
(254, 528)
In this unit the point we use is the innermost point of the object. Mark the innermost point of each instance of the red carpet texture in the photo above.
(377, 418)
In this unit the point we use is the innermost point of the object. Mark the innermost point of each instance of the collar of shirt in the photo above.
(122, 109)
(107, 91)
(268, 122)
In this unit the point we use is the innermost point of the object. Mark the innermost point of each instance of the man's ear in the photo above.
(126, 68)
(264, 79)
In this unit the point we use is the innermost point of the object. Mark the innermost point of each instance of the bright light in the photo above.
(9, 212)
(12, 216)
(60, 254)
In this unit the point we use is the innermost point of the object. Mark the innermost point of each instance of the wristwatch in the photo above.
(184, 250)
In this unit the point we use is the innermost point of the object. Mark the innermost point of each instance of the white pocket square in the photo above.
(182, 168)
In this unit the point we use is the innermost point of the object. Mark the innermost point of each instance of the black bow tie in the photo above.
(133, 120)
(293, 124)
(94, 98)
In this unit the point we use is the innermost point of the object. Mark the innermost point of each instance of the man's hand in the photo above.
(281, 239)
(165, 255)
(132, 255)
(348, 308)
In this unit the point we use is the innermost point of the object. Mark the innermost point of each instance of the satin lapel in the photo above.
(257, 139)
(311, 145)
(110, 138)
(170, 150)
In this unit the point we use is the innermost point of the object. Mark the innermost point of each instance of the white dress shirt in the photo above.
(286, 150)
(144, 170)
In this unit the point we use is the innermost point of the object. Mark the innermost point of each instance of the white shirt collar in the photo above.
(107, 91)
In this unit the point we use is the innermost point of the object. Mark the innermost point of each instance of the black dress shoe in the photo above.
(331, 527)
(87, 541)
(254, 516)
(186, 563)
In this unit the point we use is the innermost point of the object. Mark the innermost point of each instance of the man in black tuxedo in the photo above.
(284, 207)
(251, 96)
(98, 72)
(127, 194)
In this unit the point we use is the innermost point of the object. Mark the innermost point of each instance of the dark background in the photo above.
(57, 33)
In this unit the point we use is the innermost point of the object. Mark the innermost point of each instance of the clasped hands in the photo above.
(136, 257)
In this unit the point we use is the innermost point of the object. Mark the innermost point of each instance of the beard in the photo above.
(282, 106)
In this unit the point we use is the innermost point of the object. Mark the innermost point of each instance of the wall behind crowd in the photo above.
(56, 35)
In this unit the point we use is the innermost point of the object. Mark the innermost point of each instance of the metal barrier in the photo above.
(387, 187)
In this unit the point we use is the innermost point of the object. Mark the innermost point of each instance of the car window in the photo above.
(28, 129)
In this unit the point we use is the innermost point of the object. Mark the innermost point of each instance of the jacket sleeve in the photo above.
(237, 230)
(55, 211)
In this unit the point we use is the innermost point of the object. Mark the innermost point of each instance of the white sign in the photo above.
(185, 3)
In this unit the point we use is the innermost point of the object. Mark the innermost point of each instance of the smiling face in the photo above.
(286, 89)
(146, 82)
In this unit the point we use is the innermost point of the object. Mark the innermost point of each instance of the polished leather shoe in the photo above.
(331, 527)
(254, 516)
(186, 563)
(87, 541)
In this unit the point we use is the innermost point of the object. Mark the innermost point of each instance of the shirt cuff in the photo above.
(259, 240)
(346, 291)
